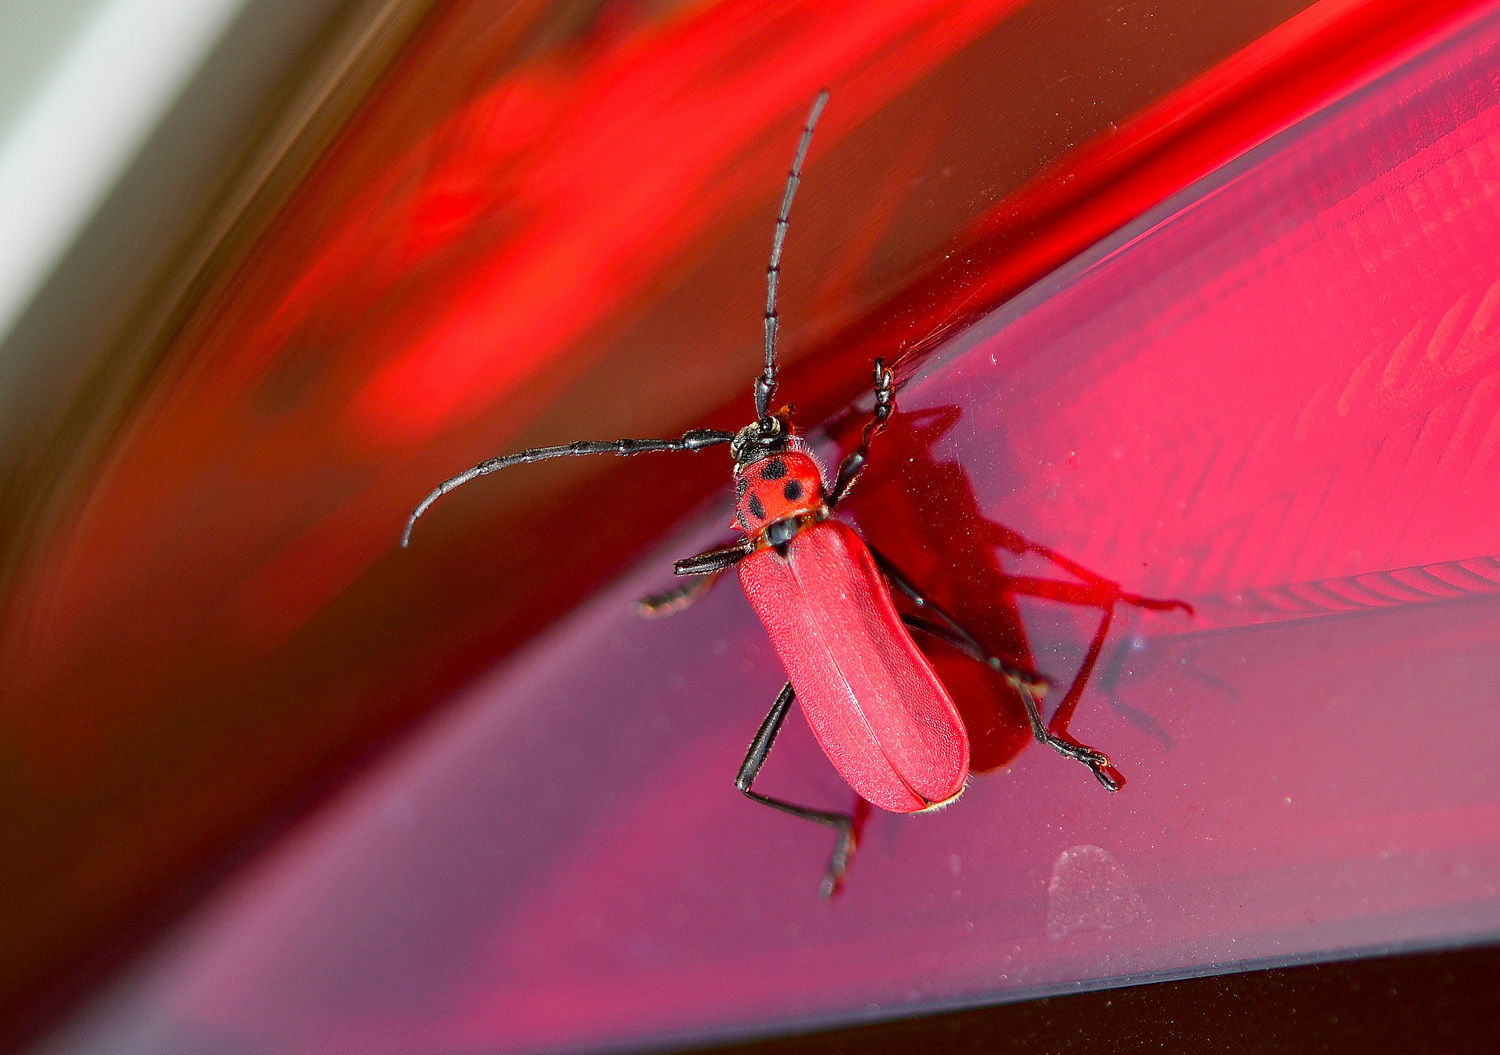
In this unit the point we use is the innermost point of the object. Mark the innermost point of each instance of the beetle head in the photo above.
(759, 439)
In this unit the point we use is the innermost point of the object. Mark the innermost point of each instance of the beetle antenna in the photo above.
(692, 440)
(765, 384)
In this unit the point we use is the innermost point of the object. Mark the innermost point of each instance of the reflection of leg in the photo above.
(1027, 684)
(1099, 593)
(1111, 671)
(843, 823)
(1093, 590)
(706, 567)
(669, 602)
(946, 628)
(1054, 734)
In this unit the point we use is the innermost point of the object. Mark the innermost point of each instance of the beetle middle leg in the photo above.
(846, 824)
(706, 568)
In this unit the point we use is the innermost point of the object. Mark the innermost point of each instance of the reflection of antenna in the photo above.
(765, 384)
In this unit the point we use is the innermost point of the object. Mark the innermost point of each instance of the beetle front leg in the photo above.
(714, 560)
(854, 462)
(847, 825)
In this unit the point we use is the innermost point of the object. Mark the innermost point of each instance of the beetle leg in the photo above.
(670, 602)
(946, 628)
(1054, 734)
(854, 462)
(1057, 728)
(1094, 591)
(714, 560)
(844, 823)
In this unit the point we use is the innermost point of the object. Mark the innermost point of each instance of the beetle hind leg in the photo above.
(848, 825)
(1066, 746)
(1055, 733)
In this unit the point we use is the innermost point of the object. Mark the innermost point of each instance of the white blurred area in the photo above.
(133, 136)
(82, 84)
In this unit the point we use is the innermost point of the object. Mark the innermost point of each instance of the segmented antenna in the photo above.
(765, 384)
(692, 440)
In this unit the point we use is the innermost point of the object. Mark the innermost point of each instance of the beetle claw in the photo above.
(1108, 775)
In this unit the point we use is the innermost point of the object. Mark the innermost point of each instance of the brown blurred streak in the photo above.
(88, 875)
(216, 748)
(40, 485)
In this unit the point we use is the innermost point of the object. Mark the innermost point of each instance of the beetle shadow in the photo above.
(924, 513)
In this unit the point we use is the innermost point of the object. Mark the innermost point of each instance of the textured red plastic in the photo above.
(870, 696)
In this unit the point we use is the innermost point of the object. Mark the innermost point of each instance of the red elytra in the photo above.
(875, 704)
(872, 698)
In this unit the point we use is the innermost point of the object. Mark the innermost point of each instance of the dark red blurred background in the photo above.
(545, 221)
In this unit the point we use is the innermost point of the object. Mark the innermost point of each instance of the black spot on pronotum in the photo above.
(792, 490)
(775, 469)
(739, 487)
(756, 509)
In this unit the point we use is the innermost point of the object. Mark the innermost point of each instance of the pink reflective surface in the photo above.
(1278, 397)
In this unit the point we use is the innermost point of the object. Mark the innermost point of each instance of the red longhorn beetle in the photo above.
(872, 698)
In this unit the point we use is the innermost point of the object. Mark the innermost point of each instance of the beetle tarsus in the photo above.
(670, 602)
(854, 462)
(846, 824)
(838, 864)
(1096, 760)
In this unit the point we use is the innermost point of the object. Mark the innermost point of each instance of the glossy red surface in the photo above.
(1277, 396)
(548, 221)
